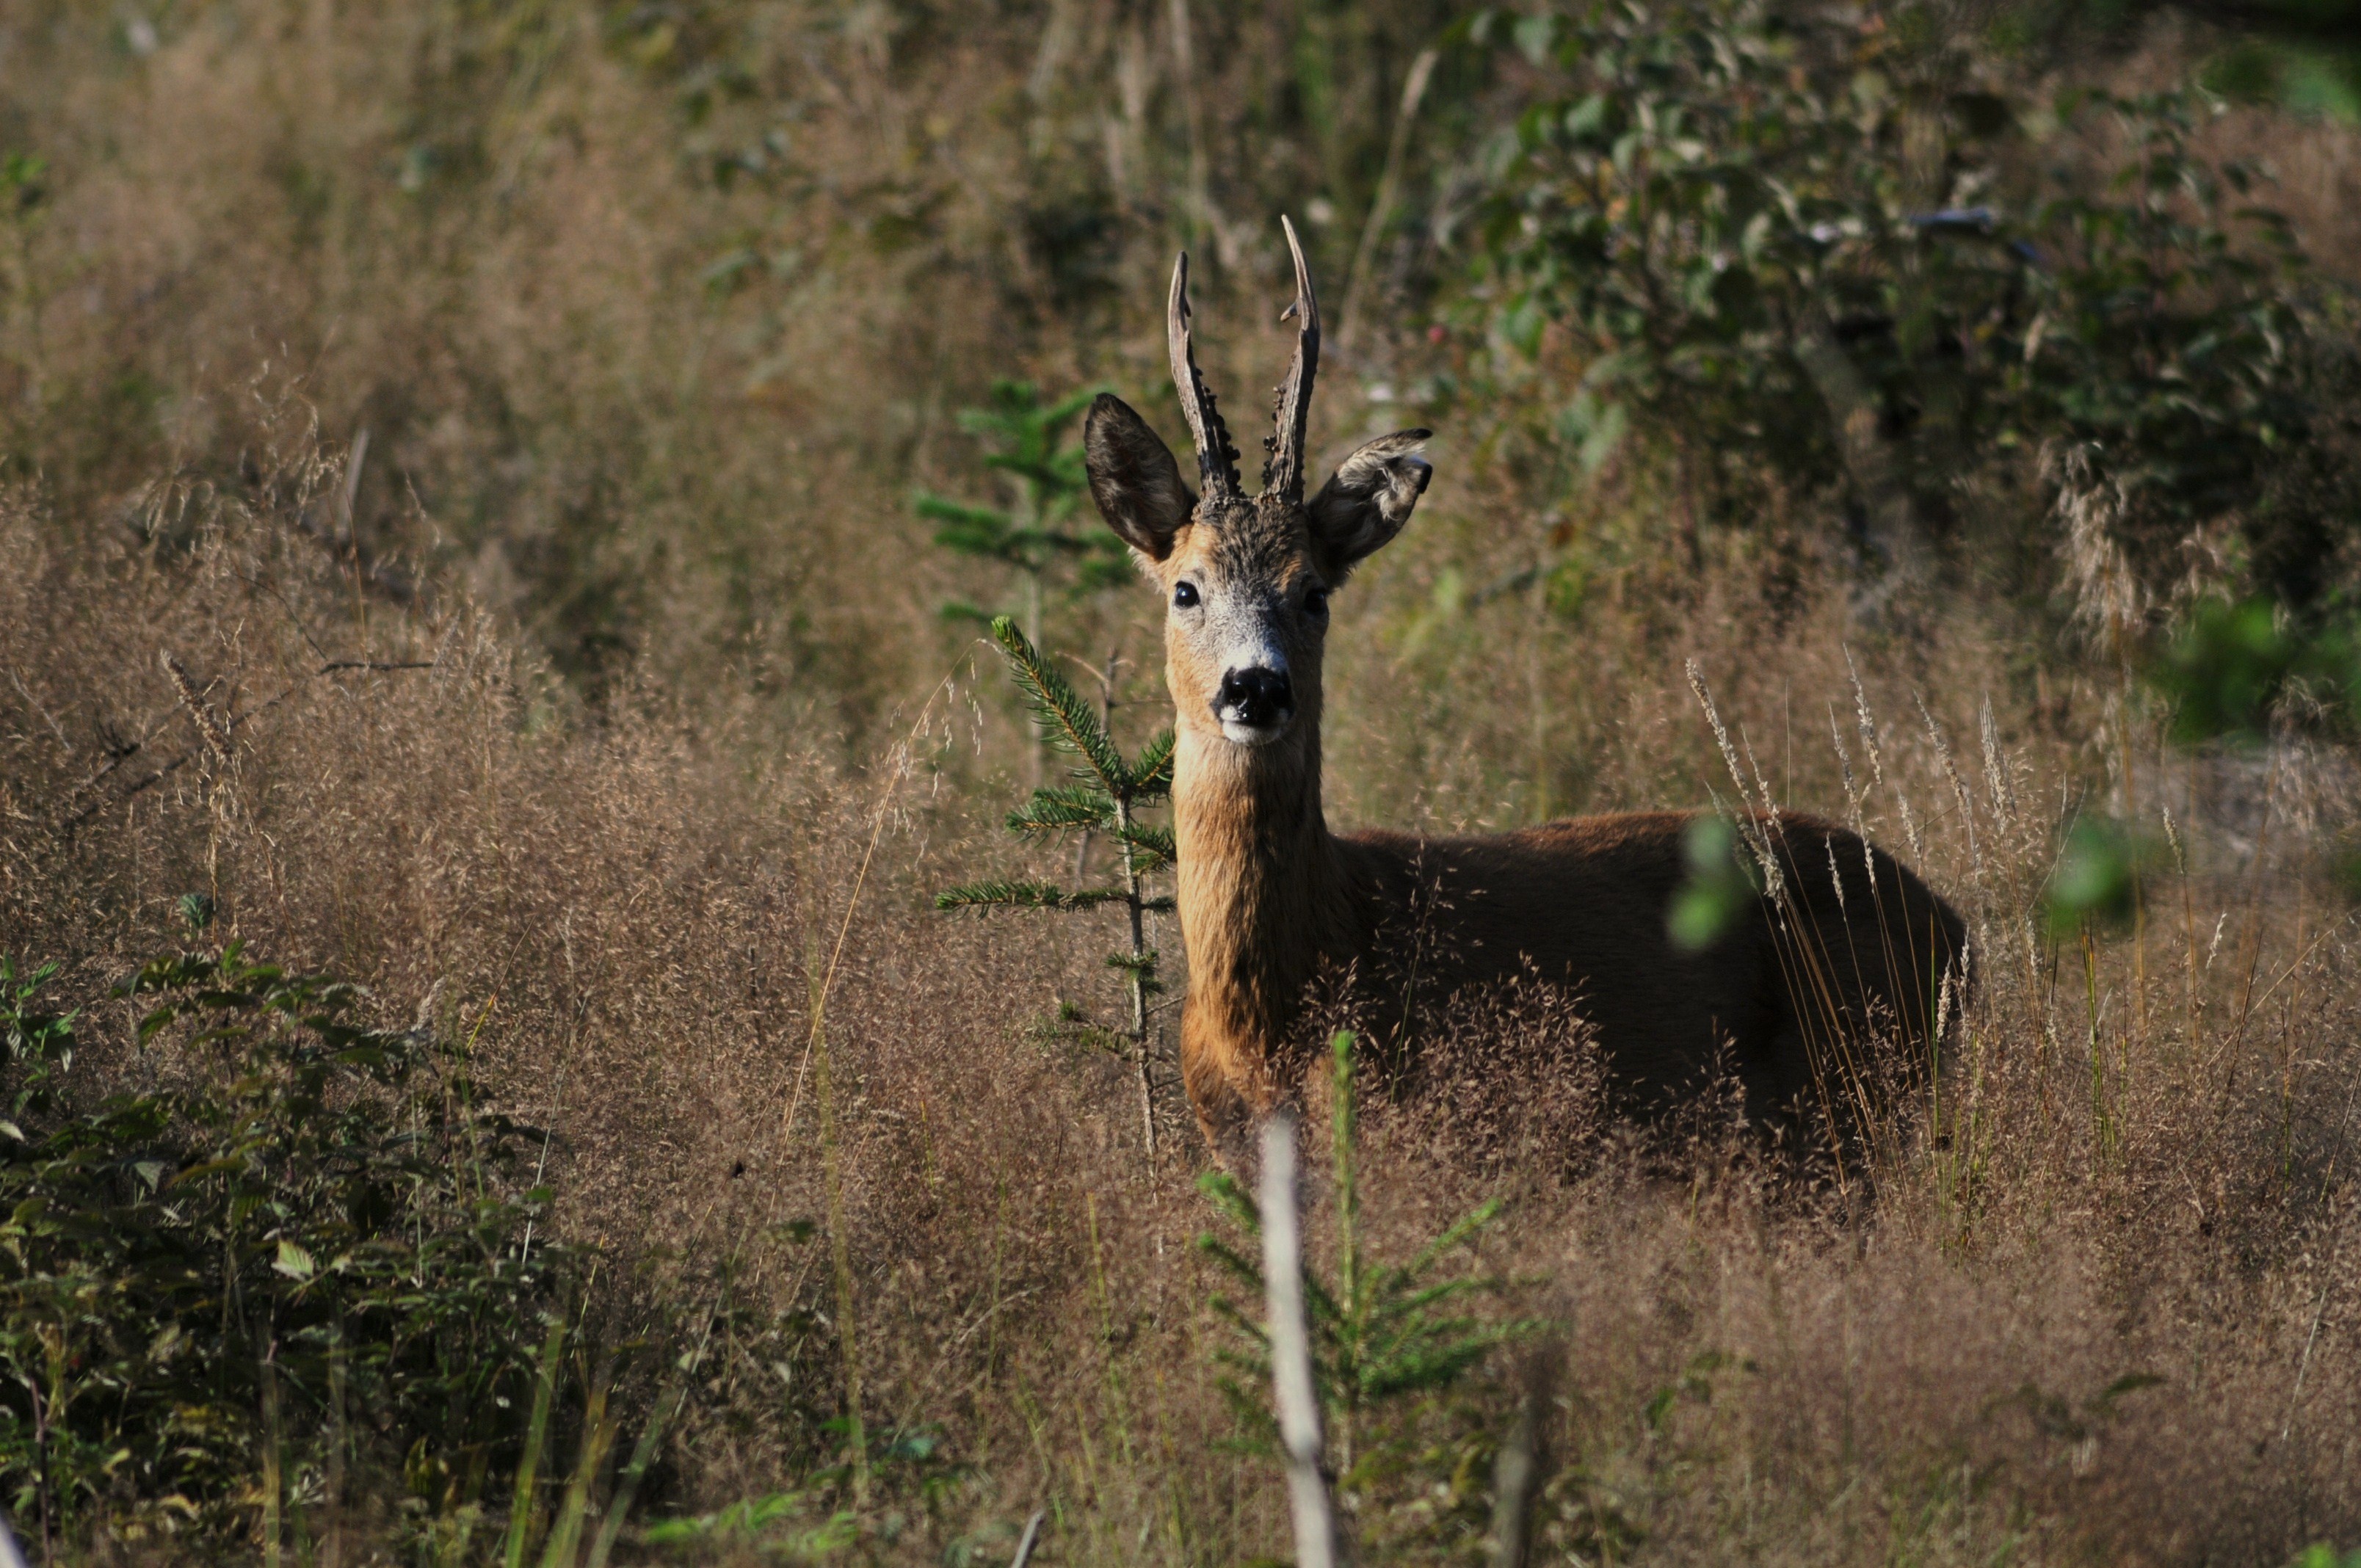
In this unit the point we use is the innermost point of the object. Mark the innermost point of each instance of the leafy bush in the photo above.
(1723, 882)
(2327, 1556)
(2232, 667)
(1851, 256)
(298, 1262)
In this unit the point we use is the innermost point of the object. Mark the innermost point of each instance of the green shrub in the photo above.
(2102, 864)
(1856, 257)
(300, 1263)
(2231, 667)
(1723, 882)
(2324, 1555)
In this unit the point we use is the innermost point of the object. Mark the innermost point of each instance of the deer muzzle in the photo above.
(1255, 704)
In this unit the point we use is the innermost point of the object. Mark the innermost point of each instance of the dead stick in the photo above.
(1517, 1472)
(1316, 1541)
(1032, 1537)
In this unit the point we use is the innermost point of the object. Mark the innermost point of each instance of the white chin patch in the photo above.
(1251, 735)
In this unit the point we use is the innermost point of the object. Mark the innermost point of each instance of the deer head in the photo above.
(1245, 580)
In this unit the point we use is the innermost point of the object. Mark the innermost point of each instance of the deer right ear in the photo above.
(1133, 478)
(1366, 501)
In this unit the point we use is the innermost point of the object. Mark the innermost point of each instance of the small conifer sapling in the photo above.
(1105, 795)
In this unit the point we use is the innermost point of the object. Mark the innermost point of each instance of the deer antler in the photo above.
(1217, 459)
(1284, 471)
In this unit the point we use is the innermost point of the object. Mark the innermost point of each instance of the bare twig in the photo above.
(209, 725)
(898, 765)
(1517, 1473)
(1317, 1544)
(353, 486)
(2303, 1364)
(392, 583)
(1032, 1539)
(352, 492)
(1382, 206)
(47, 716)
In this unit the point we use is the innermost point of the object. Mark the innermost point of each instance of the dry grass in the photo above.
(674, 670)
(628, 912)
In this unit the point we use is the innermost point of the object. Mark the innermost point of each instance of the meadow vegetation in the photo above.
(493, 561)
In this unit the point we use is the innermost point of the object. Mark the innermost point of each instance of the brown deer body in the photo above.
(1850, 946)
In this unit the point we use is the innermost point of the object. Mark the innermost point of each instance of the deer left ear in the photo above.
(1133, 478)
(1367, 499)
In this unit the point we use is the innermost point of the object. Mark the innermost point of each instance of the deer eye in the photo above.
(1315, 603)
(1185, 597)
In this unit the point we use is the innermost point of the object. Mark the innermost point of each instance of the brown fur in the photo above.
(1792, 999)
(1269, 897)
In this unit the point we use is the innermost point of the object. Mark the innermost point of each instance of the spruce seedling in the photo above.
(1030, 534)
(1107, 795)
(1379, 1334)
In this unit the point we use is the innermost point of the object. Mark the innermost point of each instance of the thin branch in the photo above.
(1381, 205)
(1317, 1544)
(1032, 1539)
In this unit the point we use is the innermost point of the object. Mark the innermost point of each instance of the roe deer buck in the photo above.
(1268, 896)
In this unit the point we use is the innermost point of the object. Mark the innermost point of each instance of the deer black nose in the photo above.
(1256, 698)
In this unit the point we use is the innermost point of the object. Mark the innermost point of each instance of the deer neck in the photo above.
(1262, 888)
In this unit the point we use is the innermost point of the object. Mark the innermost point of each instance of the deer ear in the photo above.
(1367, 499)
(1133, 478)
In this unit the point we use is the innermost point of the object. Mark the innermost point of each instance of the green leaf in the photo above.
(204, 1168)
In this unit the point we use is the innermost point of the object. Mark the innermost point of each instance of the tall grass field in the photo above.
(533, 534)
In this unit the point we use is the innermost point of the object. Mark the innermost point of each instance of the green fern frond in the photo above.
(1457, 1236)
(1232, 1202)
(989, 521)
(1084, 1033)
(1067, 407)
(997, 894)
(1415, 1305)
(1379, 1334)
(956, 612)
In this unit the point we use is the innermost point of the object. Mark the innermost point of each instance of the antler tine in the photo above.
(1217, 459)
(1284, 472)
